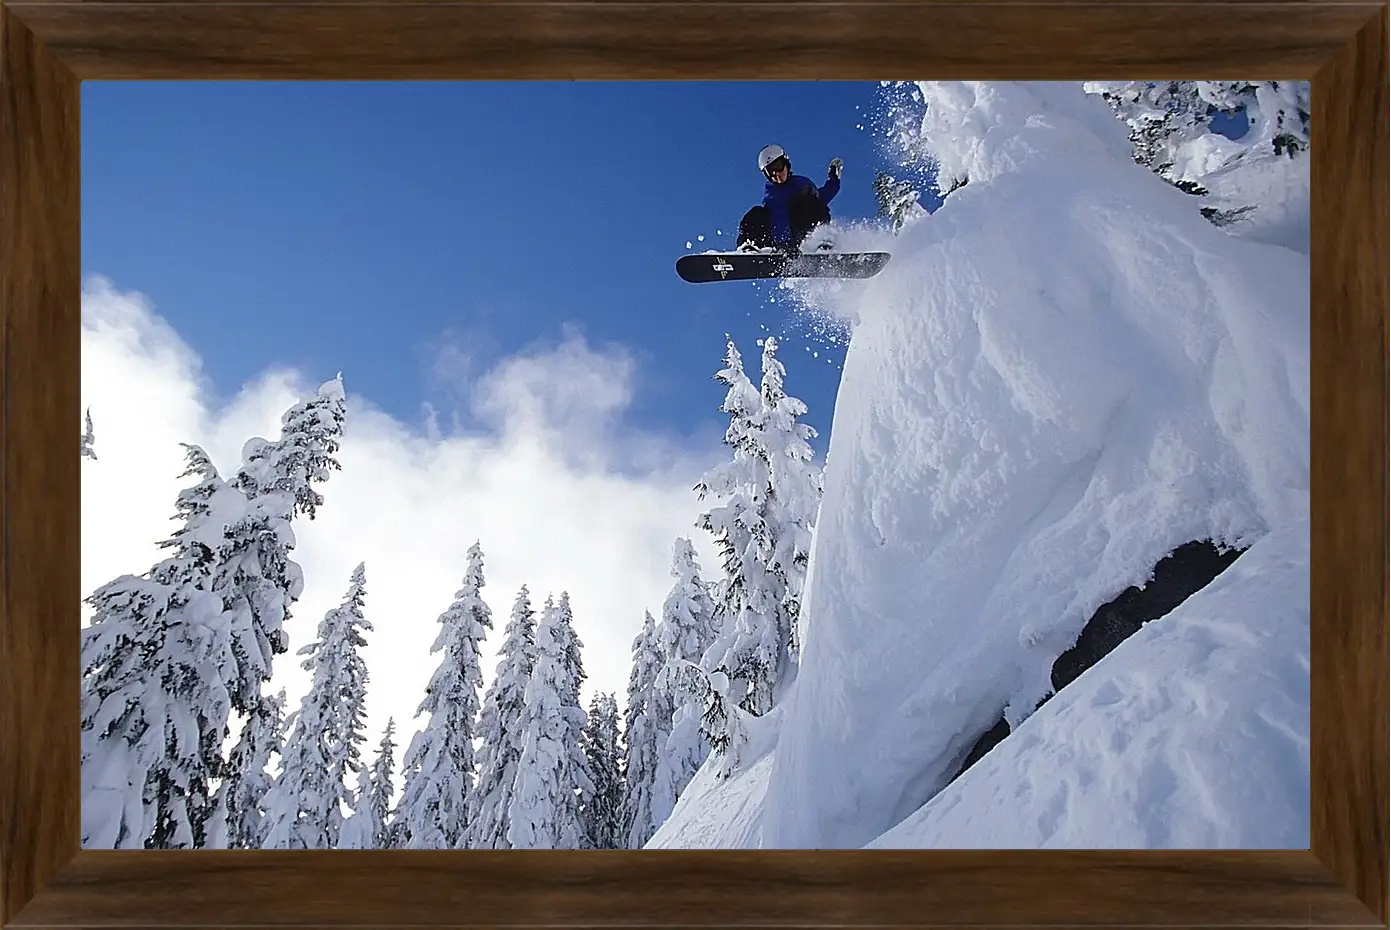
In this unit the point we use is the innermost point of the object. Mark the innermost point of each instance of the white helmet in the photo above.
(770, 154)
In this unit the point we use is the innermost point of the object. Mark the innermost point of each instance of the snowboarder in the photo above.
(792, 205)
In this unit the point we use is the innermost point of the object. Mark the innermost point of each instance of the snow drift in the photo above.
(1064, 374)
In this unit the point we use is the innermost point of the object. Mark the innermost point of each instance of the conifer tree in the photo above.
(310, 432)
(500, 730)
(772, 493)
(1162, 115)
(574, 676)
(794, 496)
(249, 778)
(439, 766)
(257, 579)
(898, 200)
(745, 539)
(544, 811)
(683, 635)
(732, 523)
(369, 826)
(573, 680)
(206, 620)
(305, 807)
(155, 675)
(1169, 119)
(688, 626)
(642, 733)
(722, 722)
(602, 808)
(729, 482)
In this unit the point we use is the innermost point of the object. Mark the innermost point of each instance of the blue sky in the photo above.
(362, 226)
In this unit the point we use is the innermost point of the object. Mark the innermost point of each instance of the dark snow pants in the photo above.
(806, 213)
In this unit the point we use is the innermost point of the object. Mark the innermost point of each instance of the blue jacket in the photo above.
(778, 197)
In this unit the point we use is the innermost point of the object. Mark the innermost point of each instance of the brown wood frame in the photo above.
(47, 48)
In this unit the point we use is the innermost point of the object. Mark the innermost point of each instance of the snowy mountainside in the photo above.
(1104, 765)
(1064, 374)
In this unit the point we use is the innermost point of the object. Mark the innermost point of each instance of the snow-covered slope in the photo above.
(1193, 734)
(712, 814)
(1064, 374)
(1279, 184)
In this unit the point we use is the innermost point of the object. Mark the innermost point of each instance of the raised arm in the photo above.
(832, 185)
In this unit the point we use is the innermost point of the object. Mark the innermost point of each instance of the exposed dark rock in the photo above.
(1177, 577)
(987, 742)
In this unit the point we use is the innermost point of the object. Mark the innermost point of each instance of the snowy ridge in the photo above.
(1065, 373)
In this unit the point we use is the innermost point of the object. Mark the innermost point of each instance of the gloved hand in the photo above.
(834, 170)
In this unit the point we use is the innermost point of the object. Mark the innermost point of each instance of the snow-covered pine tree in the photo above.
(369, 825)
(683, 635)
(764, 532)
(715, 590)
(602, 808)
(1163, 116)
(88, 438)
(155, 701)
(898, 200)
(357, 829)
(243, 790)
(1171, 128)
(794, 497)
(257, 579)
(500, 730)
(730, 480)
(641, 735)
(573, 647)
(772, 493)
(439, 765)
(732, 523)
(544, 812)
(688, 625)
(232, 580)
(573, 680)
(723, 722)
(310, 432)
(305, 807)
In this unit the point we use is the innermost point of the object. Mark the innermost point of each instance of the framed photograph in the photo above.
(1076, 614)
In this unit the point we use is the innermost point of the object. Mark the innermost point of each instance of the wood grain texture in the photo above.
(705, 888)
(48, 45)
(853, 39)
(1349, 434)
(39, 378)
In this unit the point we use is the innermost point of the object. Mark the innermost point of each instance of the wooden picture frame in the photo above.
(47, 48)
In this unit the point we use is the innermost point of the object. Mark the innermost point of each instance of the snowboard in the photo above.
(702, 268)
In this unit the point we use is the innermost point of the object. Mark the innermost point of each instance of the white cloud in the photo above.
(561, 495)
(569, 392)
